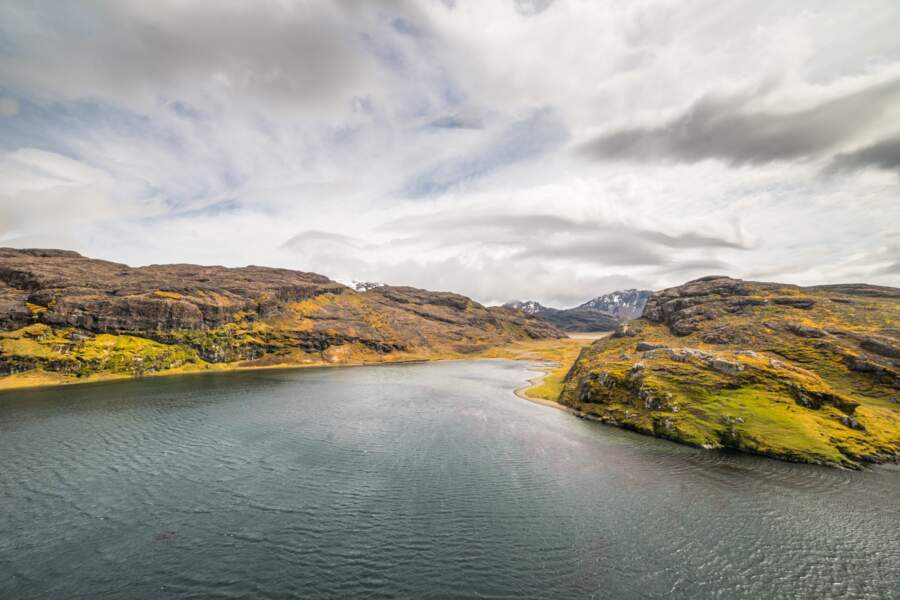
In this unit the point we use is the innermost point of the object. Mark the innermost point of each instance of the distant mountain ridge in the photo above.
(624, 304)
(530, 307)
(603, 313)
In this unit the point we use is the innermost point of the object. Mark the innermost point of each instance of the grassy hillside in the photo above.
(805, 374)
(66, 318)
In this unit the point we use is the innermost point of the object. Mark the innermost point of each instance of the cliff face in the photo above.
(75, 316)
(807, 374)
(69, 290)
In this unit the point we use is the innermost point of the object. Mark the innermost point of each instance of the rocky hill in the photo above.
(806, 374)
(67, 317)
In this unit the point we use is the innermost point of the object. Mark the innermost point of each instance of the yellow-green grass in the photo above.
(61, 356)
(560, 354)
(757, 409)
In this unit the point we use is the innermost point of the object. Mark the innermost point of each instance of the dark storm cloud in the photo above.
(723, 127)
(882, 155)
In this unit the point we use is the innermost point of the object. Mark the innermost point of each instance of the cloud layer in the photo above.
(548, 150)
(726, 128)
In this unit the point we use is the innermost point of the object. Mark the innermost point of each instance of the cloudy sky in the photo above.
(544, 149)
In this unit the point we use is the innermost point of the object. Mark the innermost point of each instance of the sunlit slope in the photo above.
(806, 374)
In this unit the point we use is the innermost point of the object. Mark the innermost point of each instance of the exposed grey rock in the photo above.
(880, 346)
(636, 373)
(816, 399)
(726, 335)
(881, 372)
(654, 401)
(684, 354)
(663, 425)
(624, 330)
(851, 422)
(802, 303)
(685, 308)
(645, 346)
(726, 366)
(804, 331)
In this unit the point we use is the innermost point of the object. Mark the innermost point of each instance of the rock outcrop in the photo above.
(806, 374)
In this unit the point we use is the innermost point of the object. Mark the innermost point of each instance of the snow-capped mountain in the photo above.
(624, 304)
(365, 286)
(603, 313)
(530, 306)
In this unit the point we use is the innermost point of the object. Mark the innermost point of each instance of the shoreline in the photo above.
(522, 392)
(545, 370)
(40, 379)
(114, 378)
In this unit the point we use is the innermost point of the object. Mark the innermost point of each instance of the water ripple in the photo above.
(418, 481)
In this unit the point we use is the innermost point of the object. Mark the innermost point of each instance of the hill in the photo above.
(64, 317)
(806, 374)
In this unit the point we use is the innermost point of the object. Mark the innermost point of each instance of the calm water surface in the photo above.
(416, 481)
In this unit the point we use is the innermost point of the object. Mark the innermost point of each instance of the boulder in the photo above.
(802, 303)
(726, 366)
(805, 331)
(851, 422)
(624, 330)
(646, 346)
(881, 346)
(726, 335)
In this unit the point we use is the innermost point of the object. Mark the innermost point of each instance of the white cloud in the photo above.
(8, 107)
(46, 190)
(404, 133)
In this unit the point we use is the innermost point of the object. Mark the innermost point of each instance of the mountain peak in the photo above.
(530, 307)
(622, 304)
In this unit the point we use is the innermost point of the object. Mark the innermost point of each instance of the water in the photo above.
(416, 481)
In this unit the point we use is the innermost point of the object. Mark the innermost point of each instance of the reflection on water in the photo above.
(419, 481)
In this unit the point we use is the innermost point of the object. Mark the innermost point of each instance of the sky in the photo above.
(548, 150)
